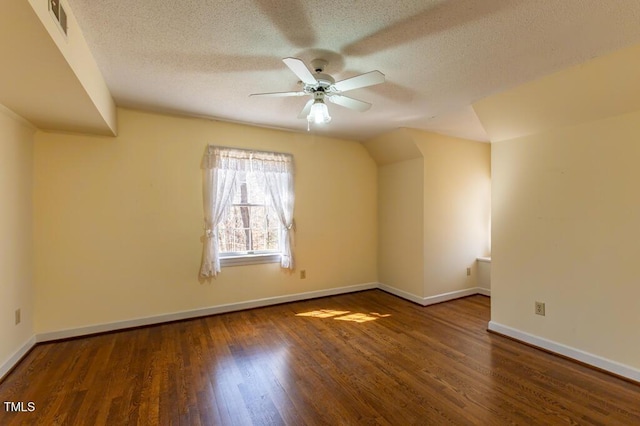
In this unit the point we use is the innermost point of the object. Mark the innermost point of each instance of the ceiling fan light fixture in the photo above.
(319, 113)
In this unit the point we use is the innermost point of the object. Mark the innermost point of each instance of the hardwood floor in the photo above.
(362, 358)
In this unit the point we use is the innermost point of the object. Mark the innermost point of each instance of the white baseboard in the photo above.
(445, 297)
(195, 313)
(484, 291)
(401, 293)
(6, 366)
(573, 353)
(439, 298)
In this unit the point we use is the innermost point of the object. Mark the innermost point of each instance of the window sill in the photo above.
(250, 259)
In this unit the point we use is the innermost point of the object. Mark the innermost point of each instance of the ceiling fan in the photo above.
(322, 87)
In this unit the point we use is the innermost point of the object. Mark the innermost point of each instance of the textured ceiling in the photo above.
(204, 57)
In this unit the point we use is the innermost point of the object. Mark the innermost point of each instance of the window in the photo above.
(248, 204)
(251, 226)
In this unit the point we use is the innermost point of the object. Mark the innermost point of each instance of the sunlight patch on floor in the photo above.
(322, 313)
(357, 318)
(343, 315)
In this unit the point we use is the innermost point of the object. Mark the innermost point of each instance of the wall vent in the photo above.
(58, 13)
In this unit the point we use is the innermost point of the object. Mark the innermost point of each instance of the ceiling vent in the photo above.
(58, 13)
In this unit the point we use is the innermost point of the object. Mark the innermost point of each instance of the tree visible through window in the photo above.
(251, 224)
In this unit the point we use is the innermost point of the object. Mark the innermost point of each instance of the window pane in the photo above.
(241, 240)
(259, 239)
(254, 227)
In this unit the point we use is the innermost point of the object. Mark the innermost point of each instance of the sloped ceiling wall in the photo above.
(393, 147)
(51, 81)
(604, 87)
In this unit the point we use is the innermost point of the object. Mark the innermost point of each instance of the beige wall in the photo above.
(118, 221)
(434, 210)
(457, 198)
(566, 230)
(566, 210)
(400, 226)
(16, 210)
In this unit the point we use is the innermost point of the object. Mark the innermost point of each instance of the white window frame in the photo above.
(227, 259)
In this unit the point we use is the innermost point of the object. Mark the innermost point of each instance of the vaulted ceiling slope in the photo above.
(204, 57)
(604, 87)
(47, 78)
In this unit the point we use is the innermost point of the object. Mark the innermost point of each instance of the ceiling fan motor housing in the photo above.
(324, 81)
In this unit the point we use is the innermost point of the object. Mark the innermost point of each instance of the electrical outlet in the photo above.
(18, 319)
(539, 308)
(468, 271)
(303, 274)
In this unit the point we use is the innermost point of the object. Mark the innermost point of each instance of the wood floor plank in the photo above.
(361, 358)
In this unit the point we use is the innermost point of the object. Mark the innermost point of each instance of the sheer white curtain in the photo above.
(278, 172)
(220, 172)
(220, 169)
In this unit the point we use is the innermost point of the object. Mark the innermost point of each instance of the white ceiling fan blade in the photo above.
(306, 109)
(359, 81)
(300, 69)
(279, 94)
(348, 102)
